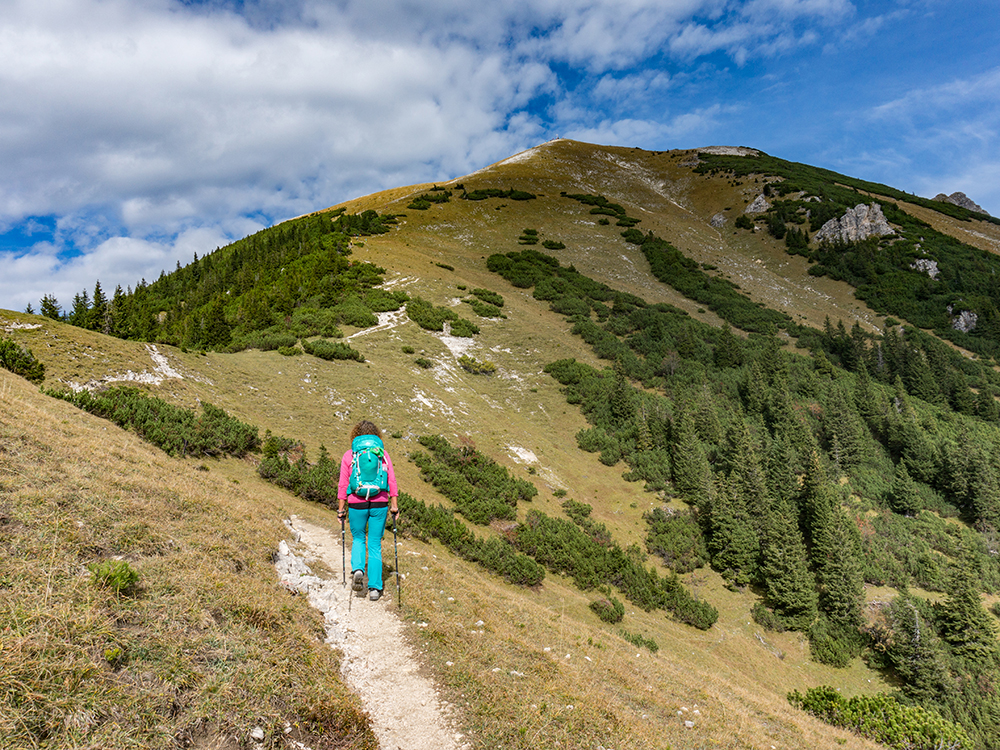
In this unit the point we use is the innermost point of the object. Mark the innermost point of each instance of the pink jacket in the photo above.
(380, 500)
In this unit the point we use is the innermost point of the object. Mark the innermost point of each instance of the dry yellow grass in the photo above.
(206, 647)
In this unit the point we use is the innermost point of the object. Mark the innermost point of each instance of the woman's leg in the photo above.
(358, 518)
(376, 527)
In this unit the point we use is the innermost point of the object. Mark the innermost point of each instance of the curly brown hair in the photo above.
(364, 427)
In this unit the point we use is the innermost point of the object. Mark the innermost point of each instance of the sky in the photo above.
(135, 134)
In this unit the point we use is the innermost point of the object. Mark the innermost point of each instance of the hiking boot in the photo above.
(358, 581)
(374, 595)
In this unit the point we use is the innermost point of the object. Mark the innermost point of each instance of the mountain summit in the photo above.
(668, 479)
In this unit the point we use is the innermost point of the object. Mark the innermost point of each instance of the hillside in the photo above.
(534, 666)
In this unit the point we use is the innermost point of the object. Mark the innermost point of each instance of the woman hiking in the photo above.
(366, 494)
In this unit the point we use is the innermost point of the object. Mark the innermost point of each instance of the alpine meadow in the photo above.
(696, 449)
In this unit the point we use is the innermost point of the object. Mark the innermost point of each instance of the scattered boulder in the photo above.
(926, 265)
(965, 321)
(759, 205)
(961, 199)
(859, 223)
(719, 220)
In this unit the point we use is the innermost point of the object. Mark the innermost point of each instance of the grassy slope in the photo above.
(206, 647)
(738, 681)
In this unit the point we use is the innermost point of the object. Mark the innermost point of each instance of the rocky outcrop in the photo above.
(926, 265)
(729, 150)
(859, 223)
(759, 206)
(965, 321)
(961, 199)
(718, 221)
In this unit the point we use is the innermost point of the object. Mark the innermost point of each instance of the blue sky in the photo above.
(136, 133)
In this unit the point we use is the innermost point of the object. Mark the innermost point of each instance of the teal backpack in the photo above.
(369, 475)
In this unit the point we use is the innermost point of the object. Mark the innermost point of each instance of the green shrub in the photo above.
(481, 489)
(115, 575)
(20, 361)
(427, 316)
(677, 538)
(463, 328)
(494, 554)
(170, 428)
(424, 362)
(331, 350)
(471, 364)
(766, 618)
(484, 309)
(744, 222)
(834, 644)
(553, 245)
(512, 194)
(637, 640)
(408, 350)
(609, 610)
(489, 297)
(353, 312)
(381, 300)
(883, 719)
(289, 351)
(423, 202)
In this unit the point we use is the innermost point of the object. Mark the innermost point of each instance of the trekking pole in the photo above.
(343, 552)
(395, 551)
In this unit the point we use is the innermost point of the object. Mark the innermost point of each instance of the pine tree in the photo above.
(98, 318)
(81, 310)
(986, 404)
(965, 624)
(119, 313)
(728, 349)
(755, 391)
(870, 402)
(691, 471)
(784, 569)
(917, 653)
(50, 307)
(838, 570)
(917, 376)
(816, 503)
(903, 494)
(217, 331)
(843, 427)
(746, 474)
(779, 464)
(622, 398)
(732, 541)
(984, 490)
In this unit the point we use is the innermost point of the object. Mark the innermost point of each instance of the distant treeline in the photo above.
(294, 279)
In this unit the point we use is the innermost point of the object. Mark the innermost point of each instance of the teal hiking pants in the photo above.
(367, 528)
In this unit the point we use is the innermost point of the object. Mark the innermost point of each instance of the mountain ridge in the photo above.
(520, 417)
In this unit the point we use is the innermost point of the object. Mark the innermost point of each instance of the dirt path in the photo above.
(379, 665)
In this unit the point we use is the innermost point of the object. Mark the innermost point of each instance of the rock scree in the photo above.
(378, 664)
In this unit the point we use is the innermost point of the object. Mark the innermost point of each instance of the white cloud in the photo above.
(123, 261)
(149, 126)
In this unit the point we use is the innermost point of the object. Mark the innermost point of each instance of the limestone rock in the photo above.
(965, 321)
(859, 223)
(759, 205)
(928, 266)
(719, 220)
(961, 199)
